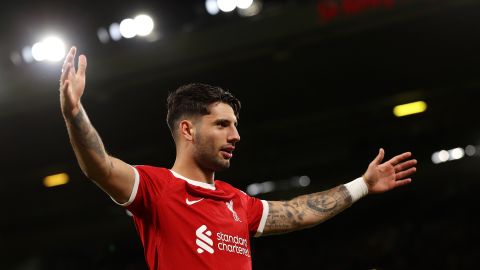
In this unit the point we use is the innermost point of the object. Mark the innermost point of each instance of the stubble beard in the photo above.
(207, 156)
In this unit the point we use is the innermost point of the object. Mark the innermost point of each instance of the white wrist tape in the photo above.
(357, 189)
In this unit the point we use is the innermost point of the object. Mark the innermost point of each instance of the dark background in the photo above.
(317, 95)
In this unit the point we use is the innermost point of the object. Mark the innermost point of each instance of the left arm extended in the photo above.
(312, 209)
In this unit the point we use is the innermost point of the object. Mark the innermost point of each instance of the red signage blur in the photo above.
(330, 9)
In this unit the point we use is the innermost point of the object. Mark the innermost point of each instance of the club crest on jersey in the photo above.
(230, 207)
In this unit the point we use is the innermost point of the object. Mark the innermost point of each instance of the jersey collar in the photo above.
(194, 182)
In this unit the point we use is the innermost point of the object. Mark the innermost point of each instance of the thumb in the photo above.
(378, 159)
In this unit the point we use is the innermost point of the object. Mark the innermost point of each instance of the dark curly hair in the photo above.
(194, 99)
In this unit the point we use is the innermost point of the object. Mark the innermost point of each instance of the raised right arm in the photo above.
(112, 175)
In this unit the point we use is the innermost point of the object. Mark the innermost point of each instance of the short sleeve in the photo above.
(148, 187)
(257, 212)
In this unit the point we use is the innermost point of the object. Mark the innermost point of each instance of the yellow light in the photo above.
(410, 108)
(55, 180)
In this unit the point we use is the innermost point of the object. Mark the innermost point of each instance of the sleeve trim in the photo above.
(134, 190)
(263, 221)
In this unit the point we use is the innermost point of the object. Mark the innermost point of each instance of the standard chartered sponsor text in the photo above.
(233, 244)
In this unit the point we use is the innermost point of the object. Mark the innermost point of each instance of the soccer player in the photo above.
(185, 218)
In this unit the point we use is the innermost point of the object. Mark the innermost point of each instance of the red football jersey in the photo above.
(187, 224)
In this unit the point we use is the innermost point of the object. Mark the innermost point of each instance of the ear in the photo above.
(187, 130)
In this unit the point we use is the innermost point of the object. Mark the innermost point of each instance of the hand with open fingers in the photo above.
(381, 177)
(72, 83)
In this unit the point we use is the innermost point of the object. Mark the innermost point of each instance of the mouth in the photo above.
(227, 151)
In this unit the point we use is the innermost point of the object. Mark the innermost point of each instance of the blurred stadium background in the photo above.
(319, 81)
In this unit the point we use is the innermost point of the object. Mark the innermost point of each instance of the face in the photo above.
(215, 137)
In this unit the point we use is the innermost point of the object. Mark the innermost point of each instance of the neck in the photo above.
(191, 170)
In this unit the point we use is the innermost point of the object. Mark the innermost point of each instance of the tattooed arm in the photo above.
(312, 209)
(306, 211)
(114, 176)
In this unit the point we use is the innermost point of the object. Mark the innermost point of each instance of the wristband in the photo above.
(357, 189)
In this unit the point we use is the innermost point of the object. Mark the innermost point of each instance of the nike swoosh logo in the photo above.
(192, 202)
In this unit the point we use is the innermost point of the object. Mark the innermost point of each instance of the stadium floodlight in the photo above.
(254, 189)
(38, 53)
(50, 49)
(102, 35)
(410, 108)
(212, 7)
(304, 181)
(114, 31)
(56, 180)
(27, 54)
(252, 10)
(443, 155)
(143, 25)
(456, 153)
(128, 28)
(470, 150)
(227, 5)
(244, 4)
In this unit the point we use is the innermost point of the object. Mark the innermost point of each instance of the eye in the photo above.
(222, 123)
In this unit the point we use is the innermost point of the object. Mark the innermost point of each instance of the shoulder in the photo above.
(152, 169)
(227, 187)
(153, 172)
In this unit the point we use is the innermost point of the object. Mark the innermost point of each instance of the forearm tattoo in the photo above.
(87, 136)
(306, 211)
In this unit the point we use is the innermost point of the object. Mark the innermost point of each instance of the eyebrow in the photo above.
(225, 121)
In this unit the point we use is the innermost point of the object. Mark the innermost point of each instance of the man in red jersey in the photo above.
(185, 218)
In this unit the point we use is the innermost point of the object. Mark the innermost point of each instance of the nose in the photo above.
(234, 136)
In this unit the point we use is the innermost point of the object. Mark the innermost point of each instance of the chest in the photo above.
(181, 208)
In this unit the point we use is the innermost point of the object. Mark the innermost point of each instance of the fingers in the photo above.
(405, 165)
(82, 65)
(403, 174)
(67, 64)
(69, 58)
(378, 159)
(399, 158)
(403, 182)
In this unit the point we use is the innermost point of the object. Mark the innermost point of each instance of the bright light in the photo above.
(15, 58)
(456, 153)
(114, 31)
(102, 35)
(143, 25)
(268, 186)
(50, 49)
(212, 7)
(128, 28)
(440, 156)
(226, 5)
(443, 156)
(56, 180)
(470, 150)
(304, 181)
(55, 49)
(254, 189)
(38, 52)
(27, 54)
(409, 108)
(244, 4)
(253, 10)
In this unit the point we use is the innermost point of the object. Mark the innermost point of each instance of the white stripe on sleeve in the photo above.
(134, 190)
(263, 221)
